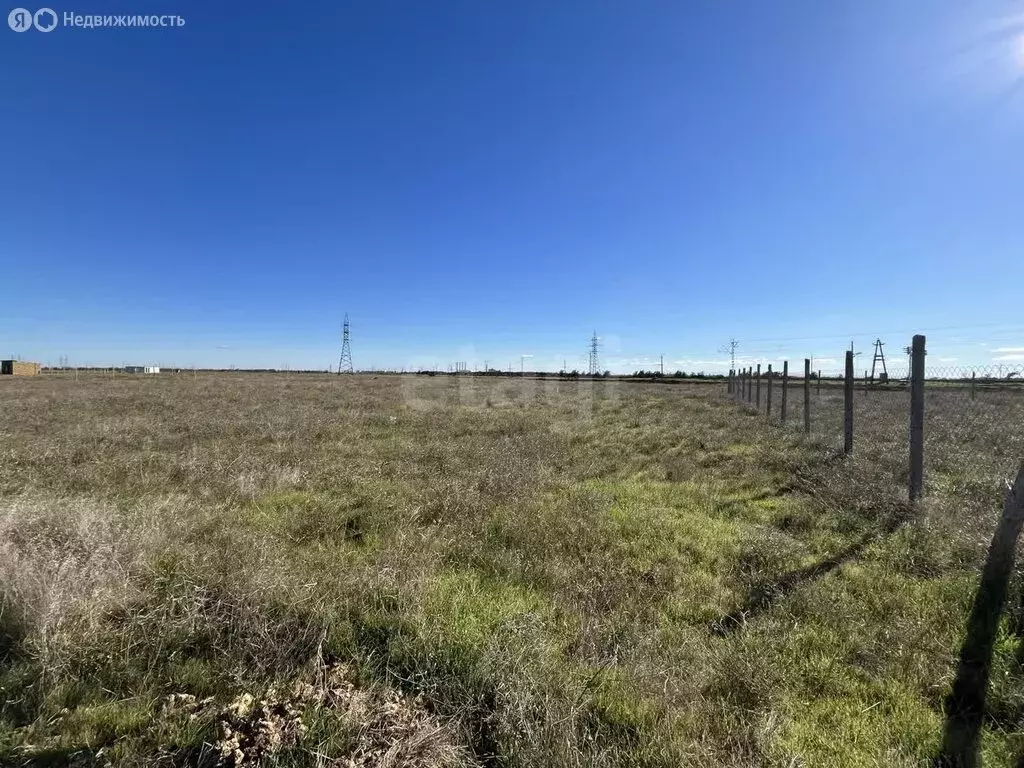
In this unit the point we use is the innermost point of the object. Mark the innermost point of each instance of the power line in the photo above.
(1010, 327)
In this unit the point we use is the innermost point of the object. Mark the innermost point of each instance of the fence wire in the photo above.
(973, 419)
(974, 425)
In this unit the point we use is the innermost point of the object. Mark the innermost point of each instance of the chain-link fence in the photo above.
(970, 418)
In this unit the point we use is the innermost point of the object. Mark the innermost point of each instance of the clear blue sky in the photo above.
(483, 180)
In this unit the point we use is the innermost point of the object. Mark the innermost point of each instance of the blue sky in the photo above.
(484, 180)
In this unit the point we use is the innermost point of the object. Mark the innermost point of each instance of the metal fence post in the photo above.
(757, 398)
(917, 418)
(848, 406)
(769, 409)
(785, 382)
(807, 395)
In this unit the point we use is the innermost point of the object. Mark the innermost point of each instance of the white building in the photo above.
(141, 369)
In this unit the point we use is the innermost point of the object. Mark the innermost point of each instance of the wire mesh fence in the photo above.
(971, 426)
(974, 424)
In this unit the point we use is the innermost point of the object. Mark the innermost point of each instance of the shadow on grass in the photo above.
(965, 705)
(66, 758)
(1019, 660)
(763, 596)
(84, 757)
(12, 634)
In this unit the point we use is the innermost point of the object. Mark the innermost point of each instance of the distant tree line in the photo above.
(676, 375)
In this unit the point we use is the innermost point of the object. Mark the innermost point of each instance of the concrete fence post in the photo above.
(848, 406)
(917, 354)
(807, 395)
(785, 387)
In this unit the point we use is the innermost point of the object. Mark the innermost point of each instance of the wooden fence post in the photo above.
(973, 376)
(785, 382)
(807, 395)
(819, 381)
(728, 383)
(865, 381)
(917, 418)
(757, 398)
(750, 387)
(770, 377)
(848, 406)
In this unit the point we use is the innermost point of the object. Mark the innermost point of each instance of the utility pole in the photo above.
(855, 354)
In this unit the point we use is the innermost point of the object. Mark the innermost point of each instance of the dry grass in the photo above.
(313, 570)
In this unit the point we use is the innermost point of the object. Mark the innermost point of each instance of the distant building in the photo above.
(18, 368)
(141, 369)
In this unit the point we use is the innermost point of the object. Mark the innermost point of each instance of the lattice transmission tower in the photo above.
(345, 361)
(730, 350)
(883, 375)
(595, 360)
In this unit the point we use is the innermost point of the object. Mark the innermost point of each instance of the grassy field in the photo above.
(411, 571)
